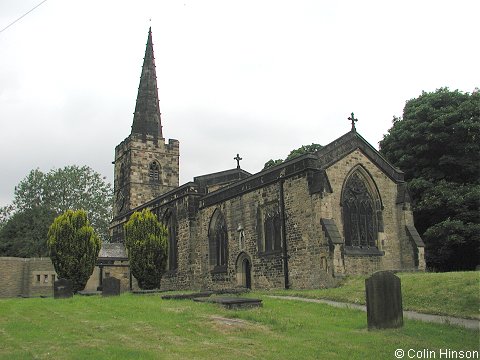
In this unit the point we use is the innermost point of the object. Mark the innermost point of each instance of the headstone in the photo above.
(384, 301)
(62, 289)
(111, 286)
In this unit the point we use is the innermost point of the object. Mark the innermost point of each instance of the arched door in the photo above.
(244, 271)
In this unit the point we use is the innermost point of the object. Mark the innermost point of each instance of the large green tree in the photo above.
(46, 195)
(5, 214)
(69, 188)
(147, 246)
(25, 233)
(302, 150)
(437, 145)
(73, 247)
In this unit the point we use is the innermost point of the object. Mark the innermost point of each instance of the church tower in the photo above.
(145, 165)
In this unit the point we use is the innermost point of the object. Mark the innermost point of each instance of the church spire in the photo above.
(146, 119)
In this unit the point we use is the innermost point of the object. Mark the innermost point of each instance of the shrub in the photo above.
(146, 243)
(73, 247)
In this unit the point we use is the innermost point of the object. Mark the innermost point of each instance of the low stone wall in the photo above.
(26, 277)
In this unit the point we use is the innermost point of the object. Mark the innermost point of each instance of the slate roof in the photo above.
(146, 118)
(112, 251)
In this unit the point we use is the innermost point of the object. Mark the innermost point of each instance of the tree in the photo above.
(302, 150)
(70, 188)
(5, 214)
(437, 145)
(146, 243)
(271, 163)
(73, 247)
(25, 233)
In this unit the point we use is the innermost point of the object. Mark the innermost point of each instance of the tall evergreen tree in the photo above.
(73, 247)
(147, 246)
(437, 145)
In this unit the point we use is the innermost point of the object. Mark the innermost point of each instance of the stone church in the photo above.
(302, 224)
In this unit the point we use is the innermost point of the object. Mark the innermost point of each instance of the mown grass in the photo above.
(147, 327)
(454, 293)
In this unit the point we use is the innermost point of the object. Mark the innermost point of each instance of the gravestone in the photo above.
(232, 302)
(110, 286)
(384, 301)
(62, 289)
(187, 296)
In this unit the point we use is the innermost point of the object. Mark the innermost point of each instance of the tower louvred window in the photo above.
(154, 172)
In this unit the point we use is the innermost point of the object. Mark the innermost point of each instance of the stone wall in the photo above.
(26, 277)
(136, 153)
(119, 270)
(388, 239)
(312, 190)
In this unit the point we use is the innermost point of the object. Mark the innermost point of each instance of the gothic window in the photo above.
(170, 223)
(154, 172)
(359, 215)
(218, 241)
(272, 231)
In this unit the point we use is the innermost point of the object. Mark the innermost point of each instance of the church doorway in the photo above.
(244, 271)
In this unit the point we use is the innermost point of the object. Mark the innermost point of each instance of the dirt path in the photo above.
(441, 319)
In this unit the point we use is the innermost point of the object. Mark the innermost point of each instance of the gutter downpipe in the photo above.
(284, 233)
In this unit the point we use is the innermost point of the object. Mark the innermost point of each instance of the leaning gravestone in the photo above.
(110, 286)
(62, 289)
(384, 301)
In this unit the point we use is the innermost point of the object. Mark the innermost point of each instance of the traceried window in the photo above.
(359, 214)
(170, 222)
(154, 171)
(218, 241)
(272, 232)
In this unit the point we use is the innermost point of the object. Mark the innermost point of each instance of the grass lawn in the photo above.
(147, 327)
(454, 293)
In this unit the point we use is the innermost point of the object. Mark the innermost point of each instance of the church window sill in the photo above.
(270, 253)
(363, 251)
(219, 269)
(170, 273)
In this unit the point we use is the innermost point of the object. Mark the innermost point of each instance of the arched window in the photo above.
(154, 172)
(360, 223)
(170, 222)
(218, 241)
(272, 231)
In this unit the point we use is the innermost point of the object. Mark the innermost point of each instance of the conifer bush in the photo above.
(73, 247)
(147, 246)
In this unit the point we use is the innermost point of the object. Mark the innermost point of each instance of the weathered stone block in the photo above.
(111, 286)
(384, 301)
(63, 289)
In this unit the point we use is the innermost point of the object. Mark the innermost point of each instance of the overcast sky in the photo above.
(255, 77)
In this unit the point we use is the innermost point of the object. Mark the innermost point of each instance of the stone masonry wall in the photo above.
(136, 154)
(26, 277)
(180, 278)
(309, 261)
(267, 270)
(307, 248)
(389, 239)
(11, 279)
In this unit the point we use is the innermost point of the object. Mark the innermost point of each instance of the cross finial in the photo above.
(238, 158)
(353, 120)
